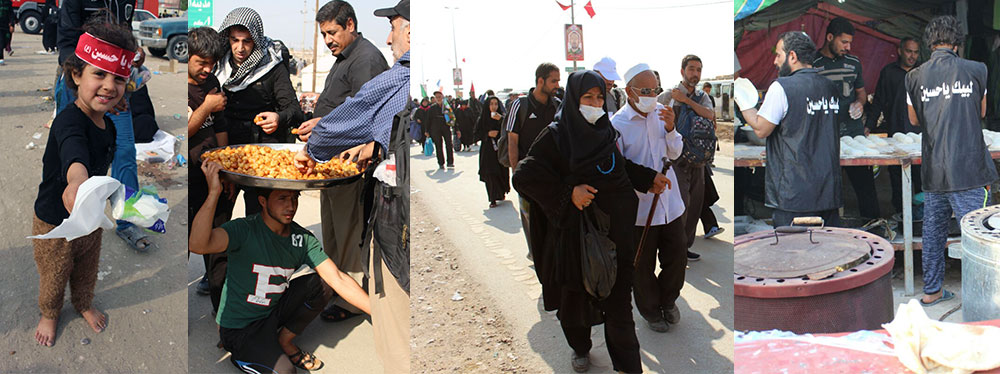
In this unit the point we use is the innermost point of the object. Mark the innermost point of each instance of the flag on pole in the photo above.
(564, 7)
(472, 87)
(590, 9)
(423, 91)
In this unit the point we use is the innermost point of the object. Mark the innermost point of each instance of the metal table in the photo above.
(748, 156)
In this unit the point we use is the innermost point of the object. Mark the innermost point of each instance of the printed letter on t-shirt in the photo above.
(264, 286)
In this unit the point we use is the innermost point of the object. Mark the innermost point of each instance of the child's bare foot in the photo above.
(95, 319)
(45, 334)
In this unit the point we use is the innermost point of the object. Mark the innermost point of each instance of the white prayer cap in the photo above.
(635, 70)
(608, 69)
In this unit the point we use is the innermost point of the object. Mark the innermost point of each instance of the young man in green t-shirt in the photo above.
(258, 297)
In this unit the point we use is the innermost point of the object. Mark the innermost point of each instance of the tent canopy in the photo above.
(880, 25)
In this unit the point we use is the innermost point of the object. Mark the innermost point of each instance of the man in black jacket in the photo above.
(262, 106)
(439, 131)
(890, 103)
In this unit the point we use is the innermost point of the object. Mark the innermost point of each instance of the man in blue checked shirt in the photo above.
(376, 116)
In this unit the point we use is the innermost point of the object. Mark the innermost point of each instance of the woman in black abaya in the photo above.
(571, 165)
(491, 172)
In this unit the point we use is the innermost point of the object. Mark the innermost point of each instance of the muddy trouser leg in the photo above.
(341, 218)
(938, 208)
(83, 279)
(54, 260)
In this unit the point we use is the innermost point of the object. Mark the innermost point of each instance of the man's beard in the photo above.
(692, 81)
(785, 69)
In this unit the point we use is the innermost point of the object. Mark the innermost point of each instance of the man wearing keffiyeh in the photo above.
(262, 105)
(351, 131)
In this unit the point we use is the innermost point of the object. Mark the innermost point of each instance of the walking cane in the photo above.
(649, 218)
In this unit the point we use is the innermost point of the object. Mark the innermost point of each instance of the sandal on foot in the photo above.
(301, 359)
(336, 314)
(945, 296)
(133, 235)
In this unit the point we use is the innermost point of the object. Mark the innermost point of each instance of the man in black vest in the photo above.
(803, 148)
(844, 69)
(947, 97)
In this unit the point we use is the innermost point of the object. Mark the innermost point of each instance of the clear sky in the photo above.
(503, 42)
(284, 19)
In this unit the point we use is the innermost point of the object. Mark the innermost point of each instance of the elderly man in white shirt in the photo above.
(647, 135)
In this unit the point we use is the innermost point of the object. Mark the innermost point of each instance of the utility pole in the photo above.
(454, 45)
(572, 21)
(315, 41)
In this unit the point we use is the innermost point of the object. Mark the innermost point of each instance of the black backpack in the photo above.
(699, 136)
(503, 153)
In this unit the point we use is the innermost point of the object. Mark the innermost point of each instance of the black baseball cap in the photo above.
(401, 9)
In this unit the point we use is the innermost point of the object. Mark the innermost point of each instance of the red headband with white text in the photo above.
(104, 55)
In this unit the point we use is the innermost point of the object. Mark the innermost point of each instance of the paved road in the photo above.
(142, 293)
(493, 248)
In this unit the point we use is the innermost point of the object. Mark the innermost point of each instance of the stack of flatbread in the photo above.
(926, 346)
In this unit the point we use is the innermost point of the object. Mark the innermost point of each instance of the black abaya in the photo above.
(491, 172)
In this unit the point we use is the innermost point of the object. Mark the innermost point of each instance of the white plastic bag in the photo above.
(159, 150)
(88, 210)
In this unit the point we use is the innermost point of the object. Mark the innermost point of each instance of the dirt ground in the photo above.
(437, 274)
(141, 293)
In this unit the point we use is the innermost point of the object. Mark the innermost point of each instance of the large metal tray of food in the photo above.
(270, 165)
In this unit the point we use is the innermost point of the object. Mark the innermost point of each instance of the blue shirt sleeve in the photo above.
(364, 117)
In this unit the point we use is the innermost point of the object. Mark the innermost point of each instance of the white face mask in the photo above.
(646, 104)
(591, 113)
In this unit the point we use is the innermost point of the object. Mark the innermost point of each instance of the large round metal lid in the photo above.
(835, 260)
(813, 253)
(983, 224)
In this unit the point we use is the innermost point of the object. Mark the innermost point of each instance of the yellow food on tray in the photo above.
(265, 162)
